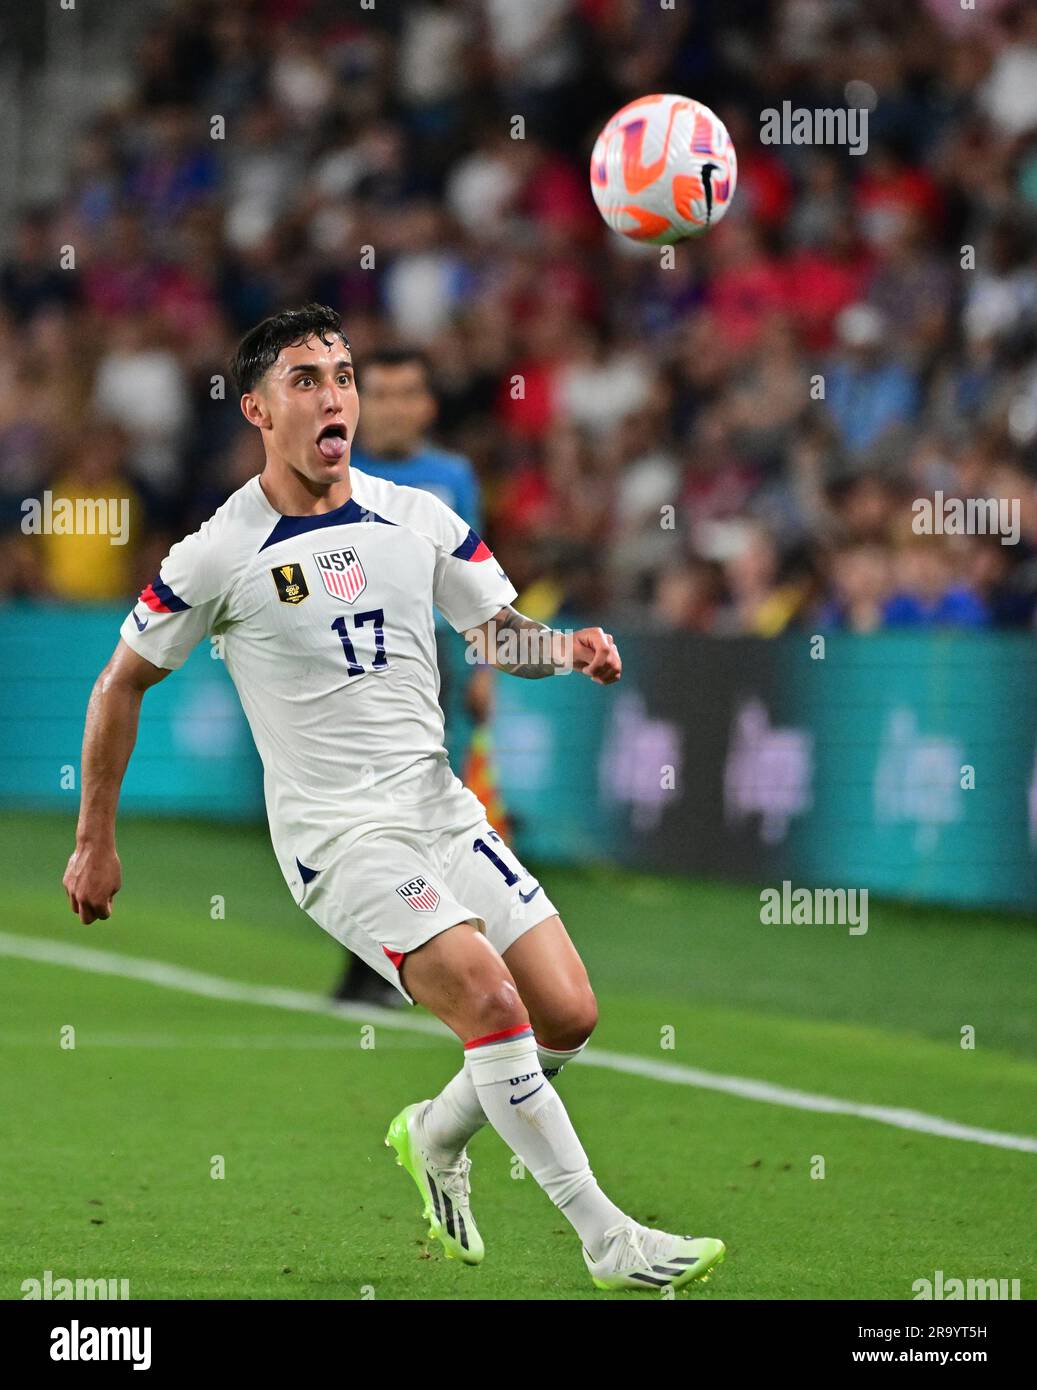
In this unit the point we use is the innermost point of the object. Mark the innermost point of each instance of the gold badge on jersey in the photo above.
(291, 583)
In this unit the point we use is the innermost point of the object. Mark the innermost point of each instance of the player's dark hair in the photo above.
(399, 357)
(258, 350)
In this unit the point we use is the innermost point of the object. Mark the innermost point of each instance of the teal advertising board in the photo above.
(905, 764)
(194, 753)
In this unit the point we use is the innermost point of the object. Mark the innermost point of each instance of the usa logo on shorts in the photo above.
(342, 573)
(419, 894)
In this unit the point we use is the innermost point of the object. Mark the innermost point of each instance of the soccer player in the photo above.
(321, 581)
(399, 409)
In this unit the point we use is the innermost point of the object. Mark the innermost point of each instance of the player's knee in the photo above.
(493, 1001)
(572, 1022)
(498, 1008)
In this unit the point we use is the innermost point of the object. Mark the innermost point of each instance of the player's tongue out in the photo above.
(332, 442)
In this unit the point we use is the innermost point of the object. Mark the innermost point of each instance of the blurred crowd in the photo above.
(730, 445)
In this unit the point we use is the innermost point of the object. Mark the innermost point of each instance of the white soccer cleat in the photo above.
(444, 1189)
(641, 1258)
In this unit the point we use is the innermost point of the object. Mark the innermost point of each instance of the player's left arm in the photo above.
(468, 583)
(521, 646)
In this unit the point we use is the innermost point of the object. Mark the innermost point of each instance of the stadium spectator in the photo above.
(860, 581)
(867, 393)
(928, 591)
(95, 562)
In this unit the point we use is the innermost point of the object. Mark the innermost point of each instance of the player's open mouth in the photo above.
(332, 442)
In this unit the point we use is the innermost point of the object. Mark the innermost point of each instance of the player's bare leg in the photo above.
(552, 982)
(461, 978)
(543, 965)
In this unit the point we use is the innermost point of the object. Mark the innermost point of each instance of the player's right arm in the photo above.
(173, 613)
(94, 875)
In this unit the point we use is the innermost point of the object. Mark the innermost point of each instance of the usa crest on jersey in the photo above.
(342, 573)
(419, 894)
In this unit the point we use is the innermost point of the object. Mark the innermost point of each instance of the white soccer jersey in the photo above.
(328, 635)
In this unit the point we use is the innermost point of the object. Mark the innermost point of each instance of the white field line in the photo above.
(749, 1089)
(157, 972)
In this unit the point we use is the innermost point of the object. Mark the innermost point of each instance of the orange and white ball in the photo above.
(663, 169)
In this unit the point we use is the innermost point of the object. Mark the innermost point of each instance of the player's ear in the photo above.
(254, 411)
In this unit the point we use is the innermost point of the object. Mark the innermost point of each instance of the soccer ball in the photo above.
(663, 169)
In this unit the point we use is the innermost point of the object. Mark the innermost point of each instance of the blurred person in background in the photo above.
(647, 474)
(863, 507)
(766, 397)
(558, 491)
(746, 285)
(860, 578)
(98, 566)
(44, 386)
(913, 290)
(30, 277)
(121, 270)
(820, 208)
(761, 600)
(822, 280)
(929, 590)
(600, 384)
(867, 393)
(688, 596)
(141, 386)
(1004, 581)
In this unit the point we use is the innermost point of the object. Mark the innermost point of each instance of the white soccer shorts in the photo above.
(392, 890)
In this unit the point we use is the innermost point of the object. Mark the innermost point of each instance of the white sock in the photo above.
(455, 1114)
(552, 1062)
(450, 1120)
(526, 1111)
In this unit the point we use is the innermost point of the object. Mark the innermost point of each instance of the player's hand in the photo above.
(595, 654)
(92, 879)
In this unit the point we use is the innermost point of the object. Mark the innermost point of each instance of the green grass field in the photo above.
(108, 1147)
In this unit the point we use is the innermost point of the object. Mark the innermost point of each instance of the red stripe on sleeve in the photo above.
(153, 601)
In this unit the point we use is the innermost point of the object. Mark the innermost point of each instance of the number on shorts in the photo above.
(481, 847)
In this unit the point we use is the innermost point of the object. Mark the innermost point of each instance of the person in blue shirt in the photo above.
(399, 410)
(929, 592)
(868, 392)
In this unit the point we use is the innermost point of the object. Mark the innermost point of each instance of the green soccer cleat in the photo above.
(444, 1189)
(640, 1258)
